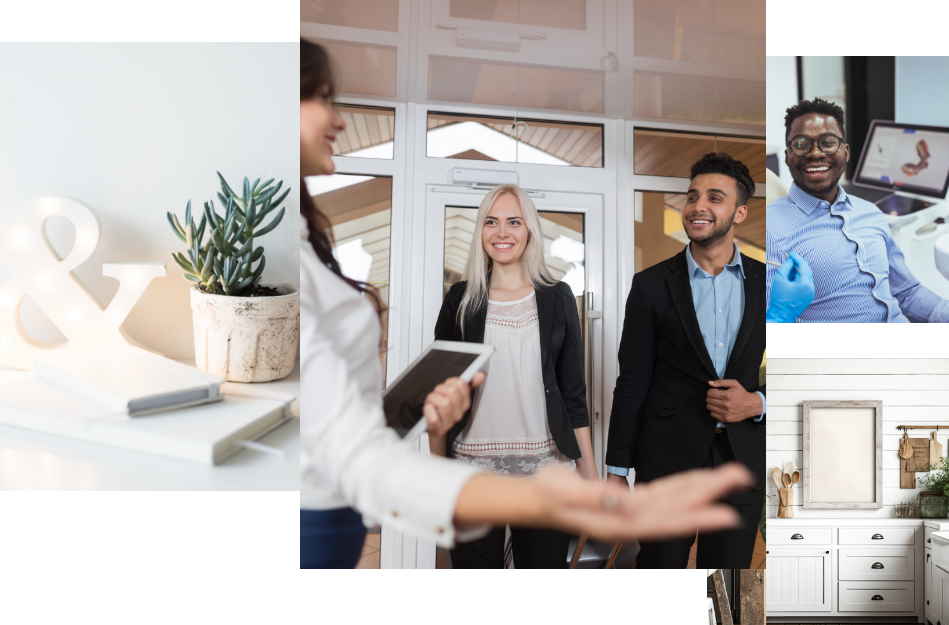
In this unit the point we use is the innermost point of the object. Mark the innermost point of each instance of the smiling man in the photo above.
(693, 339)
(860, 275)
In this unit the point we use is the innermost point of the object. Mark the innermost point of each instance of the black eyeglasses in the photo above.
(828, 144)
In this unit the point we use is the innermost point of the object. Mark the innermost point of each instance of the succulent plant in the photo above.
(223, 264)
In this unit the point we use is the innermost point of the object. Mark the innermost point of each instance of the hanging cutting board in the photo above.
(920, 460)
(935, 450)
(907, 474)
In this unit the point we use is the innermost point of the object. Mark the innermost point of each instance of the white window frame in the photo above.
(437, 26)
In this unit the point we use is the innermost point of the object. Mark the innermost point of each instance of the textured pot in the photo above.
(247, 339)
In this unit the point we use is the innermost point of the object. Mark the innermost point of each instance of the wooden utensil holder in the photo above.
(785, 501)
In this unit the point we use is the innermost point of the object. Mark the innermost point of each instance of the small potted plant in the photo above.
(244, 330)
(933, 501)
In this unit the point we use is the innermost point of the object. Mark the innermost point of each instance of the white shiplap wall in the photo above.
(914, 392)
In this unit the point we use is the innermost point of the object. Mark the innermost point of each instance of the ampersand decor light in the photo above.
(40, 273)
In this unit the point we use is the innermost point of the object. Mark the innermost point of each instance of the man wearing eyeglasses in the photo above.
(860, 275)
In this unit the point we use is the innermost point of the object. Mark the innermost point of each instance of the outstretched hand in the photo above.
(669, 507)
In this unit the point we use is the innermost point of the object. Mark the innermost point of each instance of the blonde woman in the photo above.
(531, 411)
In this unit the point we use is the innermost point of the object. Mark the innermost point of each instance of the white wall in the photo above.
(781, 93)
(914, 392)
(135, 130)
(922, 90)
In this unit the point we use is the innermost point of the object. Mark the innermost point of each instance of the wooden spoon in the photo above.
(796, 477)
(786, 479)
(776, 476)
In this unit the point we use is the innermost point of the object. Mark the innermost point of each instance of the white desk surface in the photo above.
(36, 461)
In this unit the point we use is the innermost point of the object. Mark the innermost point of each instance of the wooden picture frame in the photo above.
(843, 455)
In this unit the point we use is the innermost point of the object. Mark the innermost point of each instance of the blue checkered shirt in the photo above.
(860, 275)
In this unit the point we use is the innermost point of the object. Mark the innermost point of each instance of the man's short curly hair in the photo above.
(806, 107)
(721, 163)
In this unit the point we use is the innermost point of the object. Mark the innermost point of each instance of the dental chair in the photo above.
(775, 188)
(942, 255)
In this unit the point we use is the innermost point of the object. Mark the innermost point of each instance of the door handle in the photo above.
(587, 317)
(877, 565)
(797, 537)
(876, 598)
(877, 537)
(927, 556)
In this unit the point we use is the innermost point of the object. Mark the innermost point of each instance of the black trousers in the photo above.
(533, 549)
(729, 549)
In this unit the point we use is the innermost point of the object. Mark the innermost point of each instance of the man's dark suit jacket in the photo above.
(561, 356)
(660, 424)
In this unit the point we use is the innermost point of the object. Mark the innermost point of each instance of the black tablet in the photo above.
(404, 399)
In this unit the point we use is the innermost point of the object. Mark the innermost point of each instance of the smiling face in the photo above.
(319, 125)
(505, 235)
(710, 212)
(817, 173)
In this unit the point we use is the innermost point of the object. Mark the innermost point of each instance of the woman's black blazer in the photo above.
(561, 355)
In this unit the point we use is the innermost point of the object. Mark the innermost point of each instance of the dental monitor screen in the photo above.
(905, 158)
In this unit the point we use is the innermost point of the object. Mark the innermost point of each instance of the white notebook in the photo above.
(205, 434)
(133, 382)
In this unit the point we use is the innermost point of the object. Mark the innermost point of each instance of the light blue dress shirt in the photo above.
(719, 303)
(860, 275)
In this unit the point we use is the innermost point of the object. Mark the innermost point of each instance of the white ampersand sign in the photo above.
(40, 273)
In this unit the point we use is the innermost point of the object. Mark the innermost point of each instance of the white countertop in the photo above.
(850, 522)
(35, 461)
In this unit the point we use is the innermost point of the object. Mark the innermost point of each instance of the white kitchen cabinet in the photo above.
(940, 597)
(876, 596)
(876, 564)
(836, 570)
(928, 568)
(799, 580)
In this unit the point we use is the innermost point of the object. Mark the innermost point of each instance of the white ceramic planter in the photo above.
(247, 339)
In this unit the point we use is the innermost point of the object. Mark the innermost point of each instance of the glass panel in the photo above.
(570, 14)
(563, 245)
(659, 232)
(663, 153)
(360, 209)
(490, 139)
(720, 32)
(371, 14)
(823, 77)
(362, 68)
(678, 96)
(369, 132)
(485, 82)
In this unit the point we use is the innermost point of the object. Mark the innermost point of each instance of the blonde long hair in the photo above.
(479, 264)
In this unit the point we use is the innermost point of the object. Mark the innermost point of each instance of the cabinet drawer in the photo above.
(870, 564)
(876, 536)
(800, 535)
(876, 597)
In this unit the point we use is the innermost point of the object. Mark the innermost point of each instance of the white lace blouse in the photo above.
(508, 431)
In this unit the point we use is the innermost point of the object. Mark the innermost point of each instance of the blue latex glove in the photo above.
(792, 290)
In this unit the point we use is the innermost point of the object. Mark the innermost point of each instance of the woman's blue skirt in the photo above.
(331, 539)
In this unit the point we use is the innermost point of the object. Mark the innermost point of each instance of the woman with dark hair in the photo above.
(350, 461)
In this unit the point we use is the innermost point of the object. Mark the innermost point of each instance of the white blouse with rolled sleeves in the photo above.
(508, 431)
(349, 457)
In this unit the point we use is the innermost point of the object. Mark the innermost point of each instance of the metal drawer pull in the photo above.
(877, 537)
(877, 565)
(876, 598)
(797, 537)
